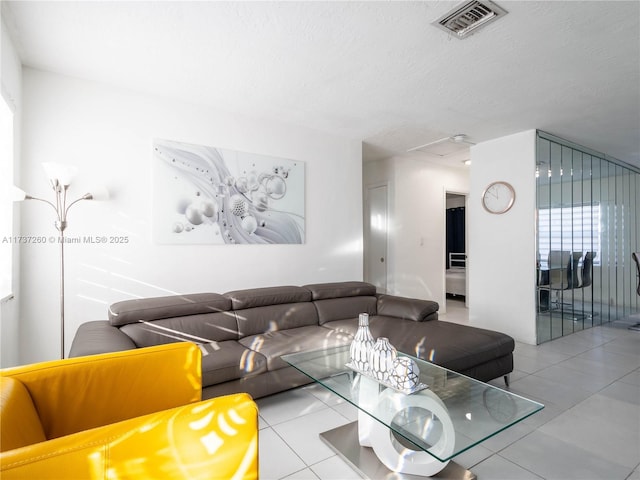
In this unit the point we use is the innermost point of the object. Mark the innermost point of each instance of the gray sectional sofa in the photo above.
(243, 333)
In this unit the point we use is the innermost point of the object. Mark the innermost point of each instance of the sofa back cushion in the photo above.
(344, 308)
(254, 321)
(321, 291)
(203, 328)
(260, 310)
(342, 300)
(263, 297)
(156, 308)
(20, 422)
(407, 308)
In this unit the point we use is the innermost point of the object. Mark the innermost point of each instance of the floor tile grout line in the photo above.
(294, 451)
(535, 430)
(571, 357)
(307, 467)
(325, 407)
(520, 466)
(565, 409)
(324, 460)
(618, 378)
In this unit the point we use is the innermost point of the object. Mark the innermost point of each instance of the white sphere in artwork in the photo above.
(182, 205)
(208, 208)
(276, 187)
(194, 214)
(405, 373)
(260, 200)
(238, 205)
(242, 185)
(252, 181)
(249, 224)
(178, 227)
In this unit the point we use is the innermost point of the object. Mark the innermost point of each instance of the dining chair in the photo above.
(636, 258)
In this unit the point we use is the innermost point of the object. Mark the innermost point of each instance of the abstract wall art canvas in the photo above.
(209, 195)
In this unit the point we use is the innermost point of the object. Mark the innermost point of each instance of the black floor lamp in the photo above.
(60, 177)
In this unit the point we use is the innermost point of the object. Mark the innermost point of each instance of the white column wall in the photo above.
(107, 133)
(502, 248)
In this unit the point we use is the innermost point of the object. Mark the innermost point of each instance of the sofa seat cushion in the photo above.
(453, 346)
(274, 344)
(225, 361)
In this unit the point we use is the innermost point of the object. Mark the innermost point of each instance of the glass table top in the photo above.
(472, 411)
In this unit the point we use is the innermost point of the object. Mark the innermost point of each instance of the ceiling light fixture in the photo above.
(444, 146)
(468, 17)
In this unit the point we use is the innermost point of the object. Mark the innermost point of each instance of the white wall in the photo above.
(417, 204)
(107, 133)
(10, 80)
(502, 247)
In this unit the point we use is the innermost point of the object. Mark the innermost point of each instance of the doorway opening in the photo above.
(455, 248)
(375, 236)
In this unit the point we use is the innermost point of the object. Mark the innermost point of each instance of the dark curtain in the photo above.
(455, 231)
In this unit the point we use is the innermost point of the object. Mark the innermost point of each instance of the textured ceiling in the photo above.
(374, 71)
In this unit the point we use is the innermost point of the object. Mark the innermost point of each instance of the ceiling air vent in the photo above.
(467, 18)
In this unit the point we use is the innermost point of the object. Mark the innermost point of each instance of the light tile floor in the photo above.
(589, 429)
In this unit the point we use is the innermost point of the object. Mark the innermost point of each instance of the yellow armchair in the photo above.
(132, 414)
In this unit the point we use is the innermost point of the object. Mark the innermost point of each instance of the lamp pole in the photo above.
(62, 209)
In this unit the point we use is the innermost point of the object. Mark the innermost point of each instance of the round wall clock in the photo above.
(498, 197)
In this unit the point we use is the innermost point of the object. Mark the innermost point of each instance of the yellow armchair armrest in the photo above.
(213, 439)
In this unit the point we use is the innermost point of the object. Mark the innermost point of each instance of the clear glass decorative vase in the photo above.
(362, 344)
(381, 359)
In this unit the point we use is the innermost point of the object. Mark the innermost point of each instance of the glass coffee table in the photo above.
(414, 435)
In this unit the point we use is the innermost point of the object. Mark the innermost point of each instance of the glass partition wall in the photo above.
(587, 228)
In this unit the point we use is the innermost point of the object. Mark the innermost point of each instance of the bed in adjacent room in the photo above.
(456, 274)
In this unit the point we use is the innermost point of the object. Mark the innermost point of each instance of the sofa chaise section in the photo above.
(412, 326)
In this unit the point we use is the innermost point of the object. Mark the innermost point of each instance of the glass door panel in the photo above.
(587, 228)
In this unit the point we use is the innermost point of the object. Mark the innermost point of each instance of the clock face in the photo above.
(498, 197)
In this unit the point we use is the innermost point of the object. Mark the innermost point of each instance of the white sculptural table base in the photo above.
(344, 442)
(389, 452)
